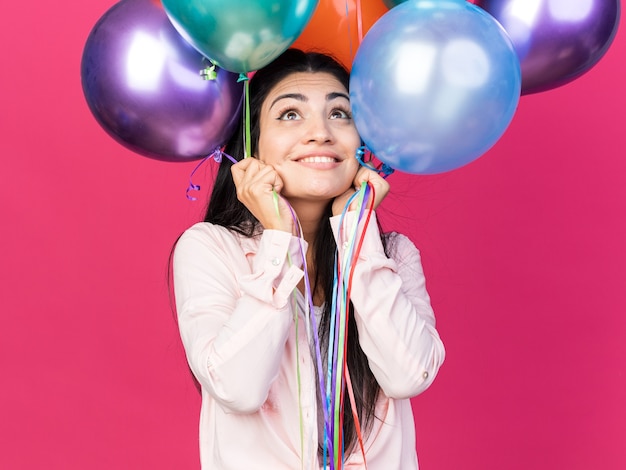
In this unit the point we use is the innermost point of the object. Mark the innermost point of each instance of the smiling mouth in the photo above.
(317, 159)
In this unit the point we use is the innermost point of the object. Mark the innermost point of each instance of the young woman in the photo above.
(241, 294)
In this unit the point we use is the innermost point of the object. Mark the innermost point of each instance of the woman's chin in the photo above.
(315, 192)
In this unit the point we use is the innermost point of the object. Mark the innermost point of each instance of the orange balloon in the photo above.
(338, 26)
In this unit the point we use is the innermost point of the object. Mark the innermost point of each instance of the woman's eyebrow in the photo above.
(336, 94)
(295, 96)
(300, 97)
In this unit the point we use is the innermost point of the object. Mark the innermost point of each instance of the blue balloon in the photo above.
(434, 85)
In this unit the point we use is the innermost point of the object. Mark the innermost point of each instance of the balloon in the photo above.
(393, 3)
(240, 35)
(556, 40)
(142, 83)
(334, 28)
(434, 85)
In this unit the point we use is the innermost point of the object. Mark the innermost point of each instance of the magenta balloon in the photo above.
(556, 40)
(142, 83)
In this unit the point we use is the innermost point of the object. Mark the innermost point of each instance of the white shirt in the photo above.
(234, 298)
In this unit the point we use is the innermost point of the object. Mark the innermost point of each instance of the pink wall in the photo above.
(524, 251)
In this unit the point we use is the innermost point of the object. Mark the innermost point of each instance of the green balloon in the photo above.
(240, 35)
(393, 3)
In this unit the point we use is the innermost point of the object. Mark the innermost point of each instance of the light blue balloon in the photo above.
(434, 85)
(240, 35)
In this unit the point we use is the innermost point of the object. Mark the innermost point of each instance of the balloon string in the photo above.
(297, 333)
(332, 362)
(217, 155)
(351, 256)
(355, 416)
(313, 330)
(383, 169)
(337, 365)
(349, 32)
(246, 114)
(248, 140)
(275, 198)
(357, 252)
(337, 348)
(330, 376)
(333, 358)
(359, 21)
(349, 270)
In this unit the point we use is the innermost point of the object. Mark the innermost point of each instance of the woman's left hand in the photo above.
(363, 175)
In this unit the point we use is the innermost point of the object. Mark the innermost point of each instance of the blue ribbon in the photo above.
(384, 170)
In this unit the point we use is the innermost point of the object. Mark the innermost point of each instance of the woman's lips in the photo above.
(319, 162)
(317, 159)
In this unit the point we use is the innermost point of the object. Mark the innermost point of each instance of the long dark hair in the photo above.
(225, 209)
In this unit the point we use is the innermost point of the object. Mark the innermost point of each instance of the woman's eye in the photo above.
(290, 115)
(340, 114)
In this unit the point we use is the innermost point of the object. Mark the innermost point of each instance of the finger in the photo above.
(245, 170)
(378, 183)
(278, 183)
(245, 163)
(239, 169)
(265, 177)
(363, 175)
(257, 183)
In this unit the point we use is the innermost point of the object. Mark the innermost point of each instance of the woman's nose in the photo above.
(318, 130)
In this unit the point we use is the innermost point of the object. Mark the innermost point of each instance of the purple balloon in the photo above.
(556, 40)
(143, 84)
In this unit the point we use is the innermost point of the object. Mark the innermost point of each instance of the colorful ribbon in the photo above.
(216, 155)
(334, 380)
(383, 169)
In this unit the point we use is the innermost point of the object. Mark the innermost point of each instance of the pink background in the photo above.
(524, 252)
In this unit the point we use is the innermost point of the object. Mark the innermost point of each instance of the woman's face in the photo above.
(308, 136)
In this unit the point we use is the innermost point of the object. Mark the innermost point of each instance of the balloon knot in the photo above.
(209, 73)
(384, 170)
(216, 155)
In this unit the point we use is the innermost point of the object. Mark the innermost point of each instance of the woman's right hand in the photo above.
(256, 182)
